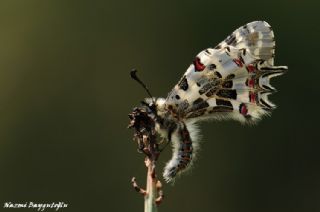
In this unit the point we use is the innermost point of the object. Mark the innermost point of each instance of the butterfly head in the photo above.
(143, 123)
(143, 119)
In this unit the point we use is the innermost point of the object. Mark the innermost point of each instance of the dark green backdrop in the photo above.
(65, 93)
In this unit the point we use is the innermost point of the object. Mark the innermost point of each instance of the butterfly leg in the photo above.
(137, 188)
(160, 197)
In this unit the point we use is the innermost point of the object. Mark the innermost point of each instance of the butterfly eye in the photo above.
(198, 65)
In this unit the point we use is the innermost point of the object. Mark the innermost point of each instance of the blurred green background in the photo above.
(65, 93)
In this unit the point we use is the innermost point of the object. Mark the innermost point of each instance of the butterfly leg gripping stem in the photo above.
(160, 193)
(137, 188)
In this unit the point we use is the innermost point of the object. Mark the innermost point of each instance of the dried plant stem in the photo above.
(150, 197)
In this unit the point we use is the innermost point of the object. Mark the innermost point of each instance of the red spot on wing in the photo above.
(252, 97)
(238, 61)
(198, 65)
(250, 68)
(243, 109)
(250, 83)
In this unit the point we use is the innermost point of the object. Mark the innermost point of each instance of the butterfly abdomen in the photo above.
(182, 153)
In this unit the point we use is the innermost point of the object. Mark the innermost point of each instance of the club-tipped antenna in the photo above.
(134, 76)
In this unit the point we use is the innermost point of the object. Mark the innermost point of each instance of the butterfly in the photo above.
(229, 81)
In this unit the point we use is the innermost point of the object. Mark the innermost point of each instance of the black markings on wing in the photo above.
(199, 103)
(230, 77)
(196, 113)
(218, 46)
(217, 74)
(212, 67)
(222, 106)
(231, 40)
(236, 73)
(227, 84)
(212, 85)
(274, 68)
(211, 92)
(246, 95)
(183, 84)
(227, 94)
(267, 106)
(198, 108)
(256, 37)
(207, 51)
(267, 88)
(220, 109)
(225, 103)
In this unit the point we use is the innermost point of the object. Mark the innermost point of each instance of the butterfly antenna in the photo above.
(134, 76)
